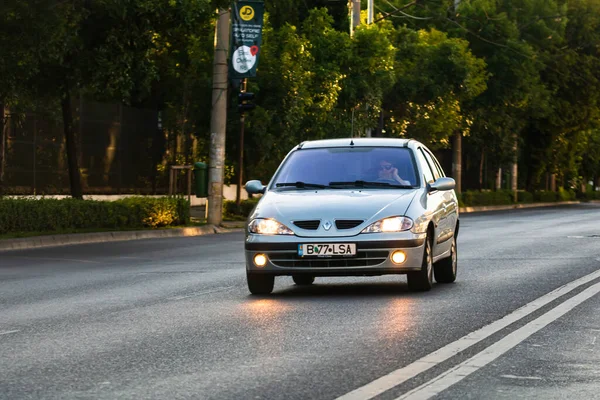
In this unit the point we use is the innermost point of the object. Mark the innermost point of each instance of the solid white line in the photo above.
(480, 360)
(533, 378)
(401, 375)
(7, 332)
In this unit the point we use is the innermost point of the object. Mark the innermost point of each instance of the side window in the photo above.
(425, 166)
(437, 164)
(436, 173)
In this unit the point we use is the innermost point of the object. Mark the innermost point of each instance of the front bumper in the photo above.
(372, 258)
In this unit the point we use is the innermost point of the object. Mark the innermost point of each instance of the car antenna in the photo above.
(351, 142)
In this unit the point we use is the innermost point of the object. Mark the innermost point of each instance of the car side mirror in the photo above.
(441, 184)
(255, 187)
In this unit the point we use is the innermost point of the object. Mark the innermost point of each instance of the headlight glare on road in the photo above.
(393, 224)
(264, 226)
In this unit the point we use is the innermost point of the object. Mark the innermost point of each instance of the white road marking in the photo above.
(480, 360)
(7, 332)
(533, 378)
(403, 374)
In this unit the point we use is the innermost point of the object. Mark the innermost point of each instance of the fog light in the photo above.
(398, 257)
(260, 260)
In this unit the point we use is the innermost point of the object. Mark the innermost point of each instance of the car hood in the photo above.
(367, 205)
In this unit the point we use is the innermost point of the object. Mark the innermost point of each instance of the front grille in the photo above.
(311, 225)
(348, 223)
(362, 259)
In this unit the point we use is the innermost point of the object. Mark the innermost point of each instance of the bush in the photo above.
(588, 195)
(545, 196)
(474, 198)
(230, 209)
(524, 197)
(49, 215)
(566, 195)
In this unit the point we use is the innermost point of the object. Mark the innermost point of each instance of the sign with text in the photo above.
(246, 38)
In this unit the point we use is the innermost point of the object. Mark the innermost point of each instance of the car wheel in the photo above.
(422, 280)
(303, 280)
(260, 283)
(445, 270)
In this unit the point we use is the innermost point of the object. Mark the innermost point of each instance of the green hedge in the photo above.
(524, 197)
(49, 215)
(502, 197)
(230, 209)
(588, 195)
(473, 198)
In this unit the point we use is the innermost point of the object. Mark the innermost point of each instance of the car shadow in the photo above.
(353, 289)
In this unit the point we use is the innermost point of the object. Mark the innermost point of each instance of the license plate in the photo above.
(327, 250)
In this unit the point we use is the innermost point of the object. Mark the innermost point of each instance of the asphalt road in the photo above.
(172, 319)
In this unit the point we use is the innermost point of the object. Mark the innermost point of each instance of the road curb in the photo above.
(468, 210)
(102, 237)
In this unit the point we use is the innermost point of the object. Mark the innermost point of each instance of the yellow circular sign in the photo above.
(247, 13)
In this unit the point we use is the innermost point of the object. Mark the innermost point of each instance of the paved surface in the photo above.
(172, 318)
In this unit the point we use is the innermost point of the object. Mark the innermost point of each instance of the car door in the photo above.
(450, 204)
(435, 200)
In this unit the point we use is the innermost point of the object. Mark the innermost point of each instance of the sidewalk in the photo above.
(197, 215)
(103, 237)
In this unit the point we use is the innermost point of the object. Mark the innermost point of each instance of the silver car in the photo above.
(354, 207)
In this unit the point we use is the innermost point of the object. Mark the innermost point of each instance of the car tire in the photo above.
(303, 280)
(260, 283)
(445, 270)
(422, 281)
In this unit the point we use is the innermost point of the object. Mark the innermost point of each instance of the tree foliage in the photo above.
(500, 72)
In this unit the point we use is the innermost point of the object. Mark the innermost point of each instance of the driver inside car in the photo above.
(389, 173)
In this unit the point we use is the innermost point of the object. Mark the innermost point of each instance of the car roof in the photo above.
(348, 142)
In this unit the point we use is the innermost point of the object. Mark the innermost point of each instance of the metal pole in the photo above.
(189, 188)
(352, 133)
(238, 194)
(369, 22)
(218, 121)
(3, 129)
(34, 153)
(514, 168)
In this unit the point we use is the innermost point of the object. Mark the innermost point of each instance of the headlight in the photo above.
(393, 224)
(268, 227)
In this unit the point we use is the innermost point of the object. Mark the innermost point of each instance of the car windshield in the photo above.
(335, 168)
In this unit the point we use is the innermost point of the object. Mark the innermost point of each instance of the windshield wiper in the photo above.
(362, 184)
(300, 185)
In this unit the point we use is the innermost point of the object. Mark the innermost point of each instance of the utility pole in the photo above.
(238, 194)
(457, 160)
(354, 15)
(218, 120)
(457, 145)
(369, 131)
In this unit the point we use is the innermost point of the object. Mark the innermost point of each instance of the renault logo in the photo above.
(327, 225)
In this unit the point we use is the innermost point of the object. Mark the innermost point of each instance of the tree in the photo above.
(310, 81)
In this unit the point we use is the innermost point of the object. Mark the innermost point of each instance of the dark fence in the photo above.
(121, 150)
